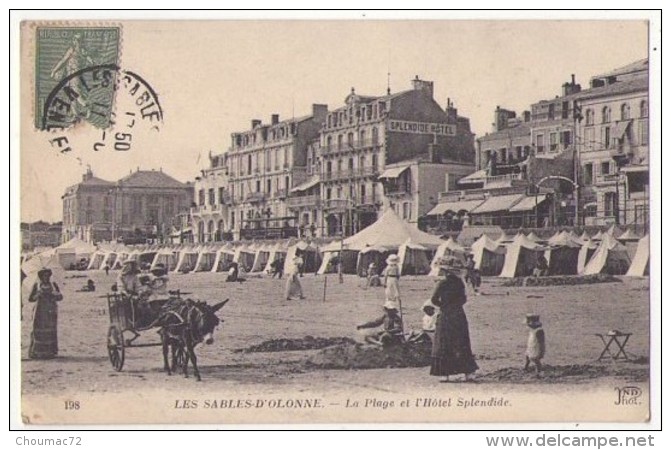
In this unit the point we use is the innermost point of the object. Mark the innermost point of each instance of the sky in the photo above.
(213, 77)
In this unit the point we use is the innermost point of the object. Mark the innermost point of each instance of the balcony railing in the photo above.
(255, 197)
(503, 180)
(303, 201)
(345, 147)
(349, 173)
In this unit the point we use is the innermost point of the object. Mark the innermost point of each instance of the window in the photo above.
(588, 174)
(329, 142)
(339, 141)
(609, 204)
(350, 164)
(374, 162)
(286, 183)
(644, 109)
(329, 166)
(210, 196)
(540, 143)
(258, 185)
(249, 164)
(328, 193)
(605, 168)
(605, 137)
(350, 139)
(406, 211)
(201, 198)
(363, 193)
(624, 111)
(566, 138)
(551, 111)
(605, 115)
(362, 138)
(269, 186)
(589, 139)
(518, 152)
(589, 117)
(554, 144)
(590, 211)
(375, 136)
(643, 132)
(504, 155)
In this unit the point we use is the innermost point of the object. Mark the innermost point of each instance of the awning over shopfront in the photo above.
(393, 172)
(314, 181)
(455, 207)
(620, 128)
(529, 203)
(635, 169)
(498, 203)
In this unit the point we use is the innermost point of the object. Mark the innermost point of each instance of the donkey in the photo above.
(183, 325)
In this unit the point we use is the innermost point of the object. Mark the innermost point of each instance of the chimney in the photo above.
(527, 116)
(501, 117)
(570, 88)
(451, 111)
(422, 85)
(255, 123)
(87, 175)
(319, 110)
(274, 119)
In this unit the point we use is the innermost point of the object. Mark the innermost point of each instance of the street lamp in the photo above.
(349, 202)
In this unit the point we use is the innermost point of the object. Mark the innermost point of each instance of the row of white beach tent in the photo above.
(565, 253)
(419, 252)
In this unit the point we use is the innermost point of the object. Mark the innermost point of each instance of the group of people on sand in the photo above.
(444, 320)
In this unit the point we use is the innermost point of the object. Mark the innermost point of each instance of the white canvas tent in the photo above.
(414, 259)
(446, 249)
(488, 256)
(276, 252)
(96, 260)
(187, 259)
(244, 256)
(610, 257)
(640, 265)
(205, 261)
(69, 253)
(307, 251)
(224, 257)
(563, 254)
(585, 254)
(261, 258)
(521, 257)
(368, 255)
(167, 257)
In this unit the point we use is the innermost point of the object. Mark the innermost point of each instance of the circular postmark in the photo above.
(113, 100)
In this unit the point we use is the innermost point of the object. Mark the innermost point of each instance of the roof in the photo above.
(498, 203)
(528, 203)
(619, 87)
(475, 177)
(151, 179)
(519, 130)
(307, 185)
(390, 231)
(393, 172)
(464, 205)
(95, 181)
(637, 66)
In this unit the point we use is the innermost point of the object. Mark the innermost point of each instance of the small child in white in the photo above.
(535, 343)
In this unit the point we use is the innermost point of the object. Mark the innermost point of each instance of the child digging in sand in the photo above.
(535, 343)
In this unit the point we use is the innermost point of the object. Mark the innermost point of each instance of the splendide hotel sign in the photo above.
(404, 126)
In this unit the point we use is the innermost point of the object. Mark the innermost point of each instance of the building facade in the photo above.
(614, 139)
(264, 164)
(138, 207)
(211, 203)
(359, 140)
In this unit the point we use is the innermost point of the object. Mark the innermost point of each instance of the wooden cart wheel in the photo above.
(115, 348)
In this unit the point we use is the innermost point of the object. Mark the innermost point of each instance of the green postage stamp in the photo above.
(73, 75)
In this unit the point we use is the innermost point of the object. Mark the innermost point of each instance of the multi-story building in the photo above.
(369, 134)
(614, 147)
(40, 234)
(580, 158)
(212, 199)
(139, 206)
(264, 164)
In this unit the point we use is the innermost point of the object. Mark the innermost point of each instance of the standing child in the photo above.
(472, 274)
(535, 343)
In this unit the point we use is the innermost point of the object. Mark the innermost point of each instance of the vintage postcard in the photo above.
(280, 221)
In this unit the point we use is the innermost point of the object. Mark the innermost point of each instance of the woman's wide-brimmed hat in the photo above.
(533, 319)
(393, 259)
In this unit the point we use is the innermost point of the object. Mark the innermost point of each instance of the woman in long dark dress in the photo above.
(451, 353)
(44, 338)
